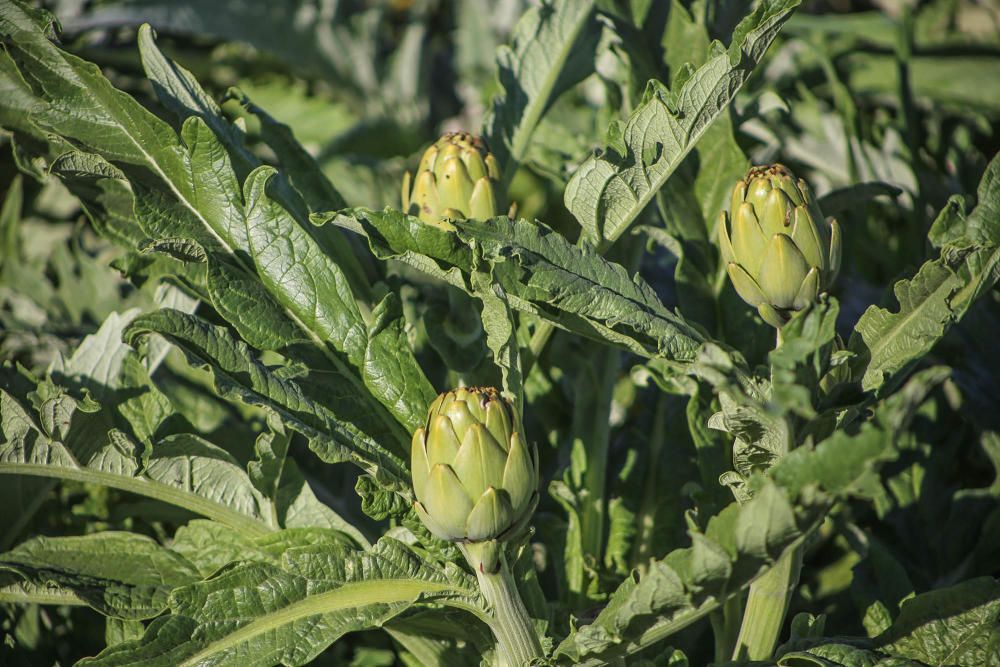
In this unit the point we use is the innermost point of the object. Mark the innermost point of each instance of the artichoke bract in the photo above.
(780, 251)
(458, 178)
(475, 475)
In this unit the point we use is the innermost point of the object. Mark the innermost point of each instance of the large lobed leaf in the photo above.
(130, 576)
(268, 272)
(689, 583)
(608, 192)
(957, 625)
(938, 295)
(743, 539)
(240, 376)
(132, 439)
(123, 575)
(699, 189)
(128, 447)
(540, 272)
(262, 614)
(552, 49)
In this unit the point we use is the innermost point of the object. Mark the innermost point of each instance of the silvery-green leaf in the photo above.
(261, 614)
(551, 50)
(120, 574)
(238, 375)
(935, 298)
(608, 192)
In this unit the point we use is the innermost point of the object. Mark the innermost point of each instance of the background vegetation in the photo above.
(890, 109)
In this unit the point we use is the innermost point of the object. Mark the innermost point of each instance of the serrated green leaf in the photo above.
(842, 653)
(249, 307)
(210, 546)
(954, 626)
(259, 614)
(303, 170)
(289, 260)
(607, 193)
(240, 376)
(181, 470)
(541, 273)
(680, 589)
(958, 625)
(193, 194)
(700, 188)
(501, 336)
(16, 590)
(117, 630)
(114, 126)
(935, 298)
(541, 268)
(394, 377)
(123, 444)
(179, 91)
(119, 574)
(689, 583)
(551, 49)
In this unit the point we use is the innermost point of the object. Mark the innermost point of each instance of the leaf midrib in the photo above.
(529, 121)
(145, 487)
(348, 596)
(151, 161)
(50, 598)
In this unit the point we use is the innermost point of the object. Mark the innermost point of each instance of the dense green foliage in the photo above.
(219, 332)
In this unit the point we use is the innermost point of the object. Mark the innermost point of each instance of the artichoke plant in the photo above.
(780, 251)
(457, 178)
(475, 476)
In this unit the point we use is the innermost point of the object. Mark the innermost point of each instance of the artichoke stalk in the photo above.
(475, 476)
(458, 178)
(780, 252)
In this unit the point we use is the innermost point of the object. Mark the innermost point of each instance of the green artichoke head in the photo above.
(475, 476)
(780, 251)
(458, 178)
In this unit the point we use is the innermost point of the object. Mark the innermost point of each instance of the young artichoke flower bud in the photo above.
(458, 178)
(475, 475)
(779, 250)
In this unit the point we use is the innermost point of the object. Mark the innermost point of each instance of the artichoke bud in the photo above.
(457, 178)
(475, 476)
(780, 251)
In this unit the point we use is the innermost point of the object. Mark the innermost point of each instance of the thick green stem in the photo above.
(642, 548)
(767, 606)
(539, 340)
(517, 641)
(770, 595)
(593, 435)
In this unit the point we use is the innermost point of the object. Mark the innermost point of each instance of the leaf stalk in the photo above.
(767, 606)
(517, 641)
(769, 598)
